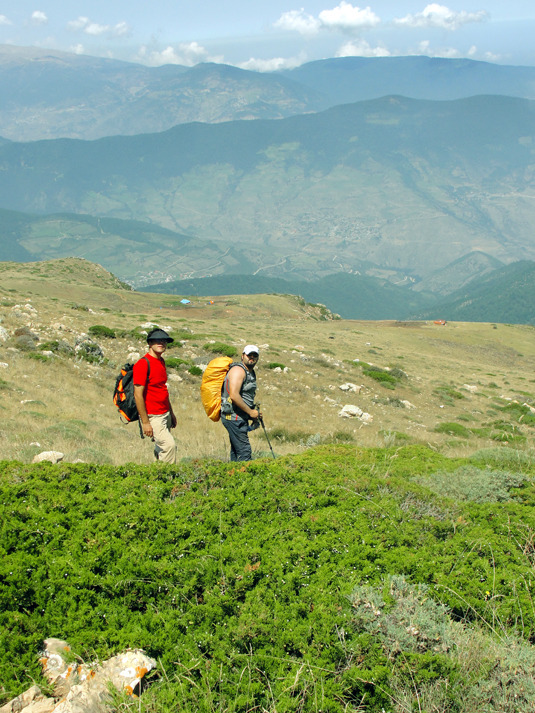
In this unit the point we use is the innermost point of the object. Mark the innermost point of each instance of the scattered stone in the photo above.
(4, 334)
(3, 365)
(353, 388)
(134, 356)
(36, 444)
(529, 407)
(407, 404)
(366, 418)
(471, 389)
(51, 456)
(351, 411)
(175, 377)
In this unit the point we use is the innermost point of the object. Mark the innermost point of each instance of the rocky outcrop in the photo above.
(80, 687)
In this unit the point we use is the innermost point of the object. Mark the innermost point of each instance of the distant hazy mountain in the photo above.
(350, 296)
(506, 295)
(395, 188)
(45, 94)
(352, 79)
(458, 274)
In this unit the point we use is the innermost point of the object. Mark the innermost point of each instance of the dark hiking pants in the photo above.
(238, 431)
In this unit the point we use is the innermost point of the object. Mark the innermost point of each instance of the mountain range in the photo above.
(392, 187)
(325, 173)
(45, 94)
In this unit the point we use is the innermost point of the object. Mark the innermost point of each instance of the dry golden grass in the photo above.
(65, 405)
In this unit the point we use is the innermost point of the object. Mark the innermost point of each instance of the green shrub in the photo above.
(453, 429)
(220, 348)
(469, 483)
(384, 377)
(275, 365)
(99, 330)
(38, 357)
(175, 362)
(195, 370)
(298, 584)
(448, 394)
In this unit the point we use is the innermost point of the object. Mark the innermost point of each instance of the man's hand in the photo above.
(147, 429)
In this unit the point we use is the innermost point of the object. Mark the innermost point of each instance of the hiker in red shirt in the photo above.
(152, 397)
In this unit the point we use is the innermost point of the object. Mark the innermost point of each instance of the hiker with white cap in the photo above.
(238, 403)
(152, 397)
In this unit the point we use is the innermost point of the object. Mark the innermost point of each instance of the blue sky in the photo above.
(276, 34)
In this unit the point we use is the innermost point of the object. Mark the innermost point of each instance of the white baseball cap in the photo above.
(250, 349)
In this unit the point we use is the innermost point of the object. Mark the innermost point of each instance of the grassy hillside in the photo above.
(454, 386)
(345, 578)
(377, 564)
(401, 185)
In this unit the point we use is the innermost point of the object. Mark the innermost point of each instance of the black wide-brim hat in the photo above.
(159, 334)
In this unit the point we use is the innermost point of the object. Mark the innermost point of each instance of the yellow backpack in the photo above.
(211, 384)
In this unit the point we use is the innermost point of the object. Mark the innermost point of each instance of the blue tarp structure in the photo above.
(185, 302)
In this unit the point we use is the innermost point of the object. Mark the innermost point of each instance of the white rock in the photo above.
(353, 388)
(4, 334)
(52, 456)
(407, 404)
(134, 356)
(175, 377)
(471, 389)
(351, 411)
(3, 365)
(366, 418)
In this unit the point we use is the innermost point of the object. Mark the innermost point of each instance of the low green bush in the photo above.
(195, 370)
(176, 362)
(382, 376)
(275, 365)
(99, 330)
(305, 583)
(453, 429)
(220, 348)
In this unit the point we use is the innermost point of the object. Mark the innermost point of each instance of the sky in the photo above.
(267, 36)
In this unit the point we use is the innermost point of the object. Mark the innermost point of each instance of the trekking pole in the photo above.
(267, 438)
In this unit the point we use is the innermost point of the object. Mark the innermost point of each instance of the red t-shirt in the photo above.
(156, 394)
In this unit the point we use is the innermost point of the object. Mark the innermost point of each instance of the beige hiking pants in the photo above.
(164, 443)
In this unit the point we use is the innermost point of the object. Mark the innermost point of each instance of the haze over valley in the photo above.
(301, 174)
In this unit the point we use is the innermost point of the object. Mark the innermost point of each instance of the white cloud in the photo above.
(85, 25)
(343, 18)
(361, 49)
(346, 17)
(272, 65)
(77, 49)
(298, 21)
(4, 20)
(39, 18)
(186, 53)
(435, 15)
